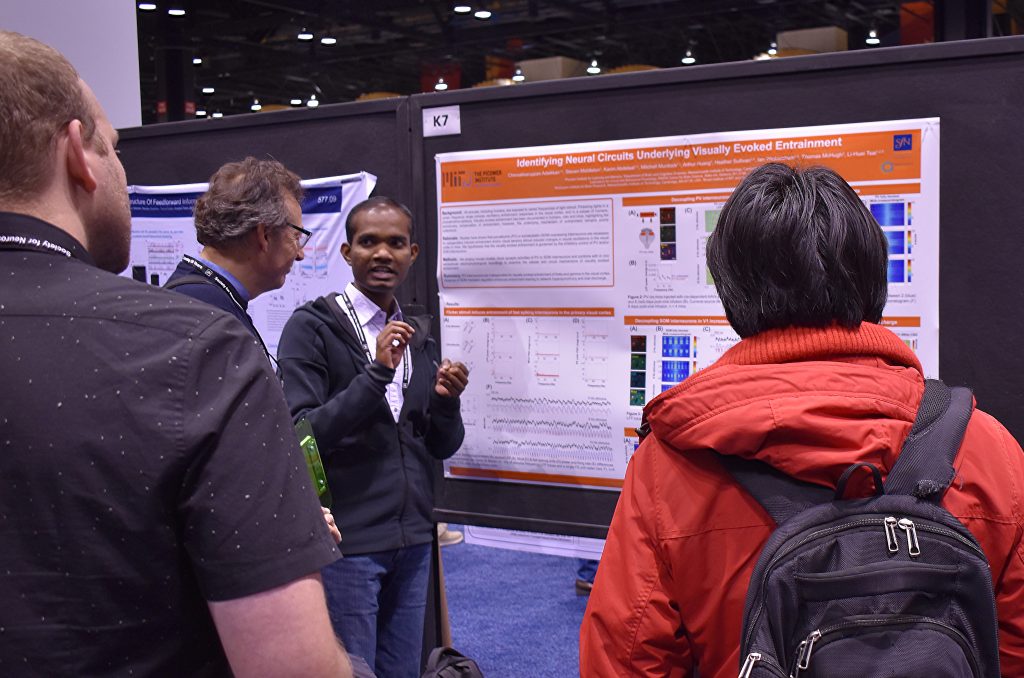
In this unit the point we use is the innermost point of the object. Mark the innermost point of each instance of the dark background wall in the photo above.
(340, 139)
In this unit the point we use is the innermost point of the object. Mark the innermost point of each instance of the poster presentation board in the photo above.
(163, 230)
(573, 281)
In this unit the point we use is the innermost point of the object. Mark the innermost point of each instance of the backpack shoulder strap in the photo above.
(780, 495)
(924, 468)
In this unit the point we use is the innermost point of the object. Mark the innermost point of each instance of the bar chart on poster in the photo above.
(574, 285)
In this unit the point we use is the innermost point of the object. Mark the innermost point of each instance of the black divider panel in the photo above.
(975, 87)
(368, 136)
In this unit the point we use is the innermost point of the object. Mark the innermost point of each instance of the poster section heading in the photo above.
(574, 280)
(163, 205)
(861, 156)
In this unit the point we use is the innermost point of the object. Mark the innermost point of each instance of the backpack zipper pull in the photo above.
(890, 534)
(907, 526)
(748, 664)
(803, 655)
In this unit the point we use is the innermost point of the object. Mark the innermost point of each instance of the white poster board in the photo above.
(573, 279)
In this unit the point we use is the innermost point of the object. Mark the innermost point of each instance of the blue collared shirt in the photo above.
(239, 287)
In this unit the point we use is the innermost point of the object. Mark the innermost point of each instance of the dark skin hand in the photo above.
(388, 353)
(451, 379)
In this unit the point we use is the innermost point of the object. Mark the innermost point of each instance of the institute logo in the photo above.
(902, 142)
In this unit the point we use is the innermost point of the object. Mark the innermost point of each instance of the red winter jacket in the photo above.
(685, 538)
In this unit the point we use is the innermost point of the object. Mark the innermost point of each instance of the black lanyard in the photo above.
(219, 280)
(22, 232)
(361, 335)
(11, 241)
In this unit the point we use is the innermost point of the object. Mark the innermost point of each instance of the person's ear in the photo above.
(262, 238)
(76, 157)
(346, 251)
(415, 250)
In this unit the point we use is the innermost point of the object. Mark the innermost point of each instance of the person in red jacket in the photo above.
(815, 385)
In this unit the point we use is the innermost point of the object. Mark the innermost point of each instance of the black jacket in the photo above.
(380, 472)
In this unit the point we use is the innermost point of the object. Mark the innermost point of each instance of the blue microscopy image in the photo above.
(897, 241)
(675, 346)
(897, 271)
(888, 213)
(674, 371)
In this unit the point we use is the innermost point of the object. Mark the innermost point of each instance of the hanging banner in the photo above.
(573, 279)
(163, 230)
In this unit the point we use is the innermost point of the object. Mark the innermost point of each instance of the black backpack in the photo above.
(447, 662)
(890, 585)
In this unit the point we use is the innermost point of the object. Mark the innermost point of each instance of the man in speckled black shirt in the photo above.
(155, 512)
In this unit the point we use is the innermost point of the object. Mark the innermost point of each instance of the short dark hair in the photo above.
(797, 247)
(241, 195)
(373, 203)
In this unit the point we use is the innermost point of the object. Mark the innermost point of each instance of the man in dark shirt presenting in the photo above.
(250, 225)
(156, 515)
(384, 408)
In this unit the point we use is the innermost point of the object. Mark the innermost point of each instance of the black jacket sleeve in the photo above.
(305, 369)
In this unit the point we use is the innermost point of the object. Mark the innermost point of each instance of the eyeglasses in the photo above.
(304, 235)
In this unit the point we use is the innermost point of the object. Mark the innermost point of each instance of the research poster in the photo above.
(163, 230)
(573, 280)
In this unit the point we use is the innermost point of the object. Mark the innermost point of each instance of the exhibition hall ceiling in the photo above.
(250, 49)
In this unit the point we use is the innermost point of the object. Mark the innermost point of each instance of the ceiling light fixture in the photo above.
(255, 105)
(327, 40)
(518, 75)
(217, 114)
(483, 14)
(197, 61)
(872, 38)
(773, 49)
(296, 102)
(461, 8)
(312, 103)
(176, 11)
(208, 90)
(688, 58)
(147, 6)
(441, 85)
(593, 68)
(304, 35)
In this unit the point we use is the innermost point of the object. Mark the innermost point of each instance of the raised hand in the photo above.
(391, 342)
(451, 379)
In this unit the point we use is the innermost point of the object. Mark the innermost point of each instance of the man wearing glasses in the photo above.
(250, 225)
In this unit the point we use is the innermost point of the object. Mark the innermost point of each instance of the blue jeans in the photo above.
(377, 603)
(586, 569)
